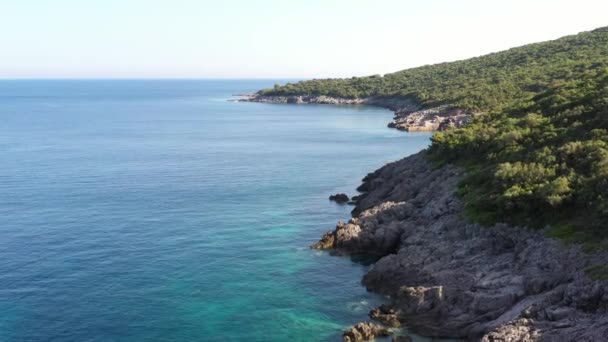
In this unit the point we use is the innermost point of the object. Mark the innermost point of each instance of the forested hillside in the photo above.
(538, 155)
(544, 163)
(489, 82)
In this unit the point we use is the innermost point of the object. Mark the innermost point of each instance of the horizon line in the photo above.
(152, 78)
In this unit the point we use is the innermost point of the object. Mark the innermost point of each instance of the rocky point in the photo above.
(446, 277)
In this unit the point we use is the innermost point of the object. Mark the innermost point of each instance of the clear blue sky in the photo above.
(269, 38)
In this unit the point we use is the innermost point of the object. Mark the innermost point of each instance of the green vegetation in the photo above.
(538, 154)
(541, 163)
(492, 82)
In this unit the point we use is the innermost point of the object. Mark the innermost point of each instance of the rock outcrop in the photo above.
(386, 315)
(431, 119)
(364, 331)
(450, 278)
(339, 198)
(408, 115)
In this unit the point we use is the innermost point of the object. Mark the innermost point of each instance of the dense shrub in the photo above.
(541, 164)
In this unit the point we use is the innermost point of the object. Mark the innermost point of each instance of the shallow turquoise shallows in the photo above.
(160, 211)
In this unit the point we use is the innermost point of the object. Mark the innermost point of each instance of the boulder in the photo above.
(339, 198)
(326, 242)
(364, 331)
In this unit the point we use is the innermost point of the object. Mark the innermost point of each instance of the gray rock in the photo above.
(327, 241)
(339, 198)
(430, 119)
(447, 277)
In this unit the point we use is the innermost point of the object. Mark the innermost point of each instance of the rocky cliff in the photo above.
(450, 278)
(408, 115)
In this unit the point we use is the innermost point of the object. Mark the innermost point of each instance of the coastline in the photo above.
(449, 278)
(408, 115)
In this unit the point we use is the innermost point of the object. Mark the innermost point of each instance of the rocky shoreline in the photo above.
(449, 278)
(409, 116)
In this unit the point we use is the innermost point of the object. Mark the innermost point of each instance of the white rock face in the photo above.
(432, 119)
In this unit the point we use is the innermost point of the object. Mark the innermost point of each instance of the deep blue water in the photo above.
(158, 210)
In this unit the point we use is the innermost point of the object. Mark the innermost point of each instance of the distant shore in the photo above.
(408, 116)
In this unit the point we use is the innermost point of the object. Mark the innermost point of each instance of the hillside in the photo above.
(538, 156)
(542, 163)
(493, 81)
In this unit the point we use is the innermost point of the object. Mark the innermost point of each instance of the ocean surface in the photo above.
(160, 211)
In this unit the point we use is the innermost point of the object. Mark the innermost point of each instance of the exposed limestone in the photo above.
(432, 119)
(450, 278)
(364, 331)
(408, 115)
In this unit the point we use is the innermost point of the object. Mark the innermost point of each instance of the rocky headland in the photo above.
(446, 277)
(409, 116)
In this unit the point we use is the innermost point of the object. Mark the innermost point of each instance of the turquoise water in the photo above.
(157, 210)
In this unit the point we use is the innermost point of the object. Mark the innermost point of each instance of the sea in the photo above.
(159, 210)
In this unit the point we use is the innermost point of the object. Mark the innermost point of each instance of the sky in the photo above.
(269, 38)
